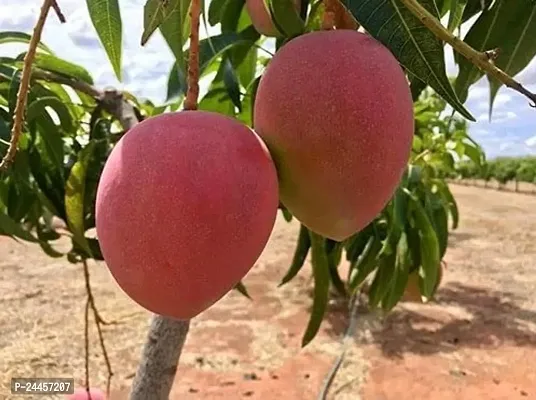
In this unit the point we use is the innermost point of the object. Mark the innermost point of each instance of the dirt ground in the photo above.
(477, 342)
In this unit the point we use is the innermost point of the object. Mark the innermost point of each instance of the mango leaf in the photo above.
(400, 276)
(106, 18)
(231, 83)
(215, 11)
(37, 107)
(231, 15)
(415, 47)
(9, 227)
(381, 283)
(74, 197)
(175, 29)
(321, 287)
(429, 247)
(504, 26)
(286, 17)
(457, 8)
(177, 85)
(300, 254)
(365, 264)
(247, 68)
(52, 63)
(20, 37)
(474, 7)
(214, 46)
(241, 288)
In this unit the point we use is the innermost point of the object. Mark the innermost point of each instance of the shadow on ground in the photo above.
(463, 317)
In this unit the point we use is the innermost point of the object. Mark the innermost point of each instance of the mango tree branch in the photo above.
(24, 83)
(482, 60)
(190, 103)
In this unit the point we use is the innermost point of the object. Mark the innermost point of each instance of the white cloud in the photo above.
(145, 69)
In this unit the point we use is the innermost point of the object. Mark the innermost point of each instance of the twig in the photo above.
(483, 60)
(328, 18)
(353, 305)
(86, 347)
(98, 322)
(57, 9)
(193, 61)
(24, 84)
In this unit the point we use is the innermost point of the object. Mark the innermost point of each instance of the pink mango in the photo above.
(81, 394)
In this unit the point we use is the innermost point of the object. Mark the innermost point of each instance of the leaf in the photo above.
(401, 274)
(241, 288)
(11, 228)
(106, 18)
(382, 280)
(441, 224)
(231, 15)
(429, 247)
(175, 27)
(415, 47)
(300, 254)
(321, 288)
(215, 11)
(357, 243)
(247, 68)
(154, 12)
(177, 85)
(334, 253)
(37, 107)
(209, 50)
(52, 63)
(503, 26)
(20, 37)
(231, 83)
(457, 8)
(366, 263)
(74, 196)
(286, 17)
(448, 198)
(473, 153)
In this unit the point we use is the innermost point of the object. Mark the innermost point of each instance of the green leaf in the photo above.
(474, 154)
(300, 254)
(365, 264)
(177, 85)
(401, 274)
(231, 15)
(215, 11)
(20, 37)
(415, 47)
(106, 18)
(321, 288)
(286, 17)
(231, 83)
(11, 228)
(448, 198)
(429, 247)
(381, 283)
(456, 13)
(441, 225)
(241, 288)
(38, 107)
(357, 243)
(247, 68)
(175, 29)
(512, 30)
(334, 254)
(74, 196)
(52, 63)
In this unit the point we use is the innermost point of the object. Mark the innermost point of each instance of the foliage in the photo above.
(501, 169)
(68, 134)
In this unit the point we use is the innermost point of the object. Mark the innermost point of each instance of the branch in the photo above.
(112, 100)
(98, 322)
(482, 60)
(190, 103)
(24, 83)
(57, 9)
(161, 353)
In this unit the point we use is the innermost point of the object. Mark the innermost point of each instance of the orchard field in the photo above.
(476, 342)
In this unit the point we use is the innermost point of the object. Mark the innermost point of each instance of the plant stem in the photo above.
(24, 84)
(193, 61)
(481, 59)
(161, 353)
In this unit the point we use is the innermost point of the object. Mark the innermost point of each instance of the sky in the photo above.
(511, 131)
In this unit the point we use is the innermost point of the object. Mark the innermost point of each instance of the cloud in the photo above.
(145, 69)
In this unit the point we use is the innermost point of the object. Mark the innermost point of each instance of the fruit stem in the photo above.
(328, 18)
(482, 59)
(158, 364)
(193, 60)
(20, 106)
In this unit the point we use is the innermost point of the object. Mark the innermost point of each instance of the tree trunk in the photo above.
(159, 360)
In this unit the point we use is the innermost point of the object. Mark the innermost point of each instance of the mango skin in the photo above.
(261, 18)
(185, 206)
(335, 110)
